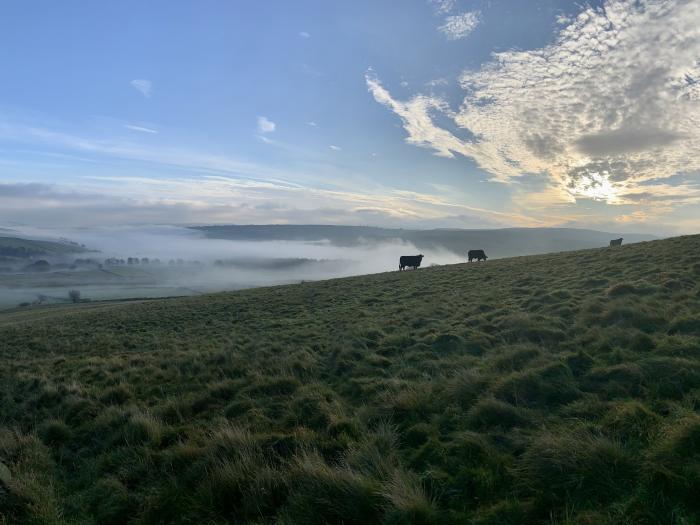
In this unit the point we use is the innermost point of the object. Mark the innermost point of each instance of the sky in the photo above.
(401, 113)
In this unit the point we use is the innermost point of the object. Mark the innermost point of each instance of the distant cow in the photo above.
(410, 261)
(616, 242)
(479, 255)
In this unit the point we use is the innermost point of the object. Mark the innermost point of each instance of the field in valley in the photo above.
(549, 389)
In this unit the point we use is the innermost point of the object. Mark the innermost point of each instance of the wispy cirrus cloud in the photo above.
(460, 26)
(612, 102)
(142, 129)
(160, 157)
(102, 200)
(143, 86)
(181, 186)
(215, 188)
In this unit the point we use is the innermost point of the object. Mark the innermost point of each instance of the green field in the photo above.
(551, 389)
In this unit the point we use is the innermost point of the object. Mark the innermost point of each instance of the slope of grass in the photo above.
(555, 389)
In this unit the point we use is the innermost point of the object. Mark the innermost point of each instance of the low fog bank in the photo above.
(153, 261)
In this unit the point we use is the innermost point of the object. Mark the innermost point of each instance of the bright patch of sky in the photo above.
(412, 113)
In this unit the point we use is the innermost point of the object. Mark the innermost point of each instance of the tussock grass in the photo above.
(554, 389)
(575, 466)
(631, 422)
(674, 463)
(491, 413)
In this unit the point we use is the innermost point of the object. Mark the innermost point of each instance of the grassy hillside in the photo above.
(554, 389)
(17, 247)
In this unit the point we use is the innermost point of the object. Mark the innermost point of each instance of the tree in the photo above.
(74, 296)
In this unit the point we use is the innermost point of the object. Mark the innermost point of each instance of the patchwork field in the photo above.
(551, 389)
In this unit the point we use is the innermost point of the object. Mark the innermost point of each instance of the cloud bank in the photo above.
(217, 199)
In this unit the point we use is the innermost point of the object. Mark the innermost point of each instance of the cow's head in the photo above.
(421, 256)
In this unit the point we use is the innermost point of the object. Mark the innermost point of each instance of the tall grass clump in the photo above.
(575, 466)
(407, 501)
(324, 494)
(674, 463)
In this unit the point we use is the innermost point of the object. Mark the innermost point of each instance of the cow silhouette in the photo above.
(616, 242)
(479, 255)
(410, 261)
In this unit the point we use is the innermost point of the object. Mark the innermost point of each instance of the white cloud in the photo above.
(335, 148)
(140, 128)
(460, 26)
(417, 120)
(612, 102)
(304, 34)
(265, 125)
(311, 123)
(443, 6)
(145, 87)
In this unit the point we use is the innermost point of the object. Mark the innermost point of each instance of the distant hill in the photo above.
(559, 389)
(28, 248)
(497, 243)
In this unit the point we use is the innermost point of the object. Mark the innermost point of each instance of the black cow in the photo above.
(410, 261)
(479, 255)
(616, 242)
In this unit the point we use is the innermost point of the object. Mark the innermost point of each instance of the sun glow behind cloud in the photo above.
(596, 186)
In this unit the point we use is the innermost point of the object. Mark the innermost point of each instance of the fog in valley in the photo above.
(158, 261)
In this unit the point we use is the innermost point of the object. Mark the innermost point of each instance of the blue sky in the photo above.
(413, 113)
